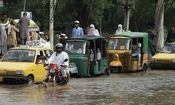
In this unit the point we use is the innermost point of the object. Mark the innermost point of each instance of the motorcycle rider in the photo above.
(61, 58)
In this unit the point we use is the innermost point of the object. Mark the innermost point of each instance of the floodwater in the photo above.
(154, 87)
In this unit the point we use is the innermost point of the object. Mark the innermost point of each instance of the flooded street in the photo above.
(154, 87)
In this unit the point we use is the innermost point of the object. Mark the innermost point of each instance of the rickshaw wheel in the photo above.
(115, 69)
(107, 72)
(145, 67)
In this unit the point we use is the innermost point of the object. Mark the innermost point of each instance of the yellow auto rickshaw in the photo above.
(128, 51)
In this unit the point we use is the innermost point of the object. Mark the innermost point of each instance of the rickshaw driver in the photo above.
(58, 57)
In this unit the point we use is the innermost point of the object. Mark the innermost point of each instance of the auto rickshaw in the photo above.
(87, 55)
(128, 51)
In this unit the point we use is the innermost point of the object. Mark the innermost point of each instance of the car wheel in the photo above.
(73, 74)
(30, 79)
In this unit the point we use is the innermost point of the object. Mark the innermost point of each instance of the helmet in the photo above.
(60, 45)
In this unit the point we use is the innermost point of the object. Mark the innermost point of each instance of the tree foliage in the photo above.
(105, 14)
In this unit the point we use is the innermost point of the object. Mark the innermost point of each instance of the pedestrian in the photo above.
(12, 38)
(62, 39)
(152, 40)
(119, 29)
(4, 30)
(93, 31)
(23, 29)
(171, 35)
(77, 31)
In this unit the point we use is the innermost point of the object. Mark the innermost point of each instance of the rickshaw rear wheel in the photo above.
(145, 67)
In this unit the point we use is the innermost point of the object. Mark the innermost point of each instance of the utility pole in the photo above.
(127, 16)
(24, 9)
(128, 5)
(51, 23)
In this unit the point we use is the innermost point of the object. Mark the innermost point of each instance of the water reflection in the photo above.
(151, 88)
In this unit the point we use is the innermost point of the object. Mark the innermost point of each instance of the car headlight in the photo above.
(19, 72)
(71, 65)
(173, 60)
(153, 60)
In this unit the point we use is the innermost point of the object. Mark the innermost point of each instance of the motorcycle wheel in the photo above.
(59, 80)
(68, 77)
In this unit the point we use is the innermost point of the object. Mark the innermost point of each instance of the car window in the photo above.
(19, 55)
(168, 49)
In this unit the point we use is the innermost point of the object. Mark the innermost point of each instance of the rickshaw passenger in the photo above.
(136, 51)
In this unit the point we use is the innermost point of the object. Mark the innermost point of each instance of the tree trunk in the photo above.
(126, 19)
(51, 23)
(159, 23)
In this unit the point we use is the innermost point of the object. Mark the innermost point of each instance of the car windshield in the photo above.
(75, 47)
(118, 44)
(19, 55)
(168, 49)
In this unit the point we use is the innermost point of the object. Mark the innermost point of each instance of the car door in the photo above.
(40, 71)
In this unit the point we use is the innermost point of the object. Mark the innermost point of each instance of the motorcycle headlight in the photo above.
(19, 72)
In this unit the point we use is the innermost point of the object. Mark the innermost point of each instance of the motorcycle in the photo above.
(55, 74)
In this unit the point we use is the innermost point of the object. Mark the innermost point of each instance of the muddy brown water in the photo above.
(154, 87)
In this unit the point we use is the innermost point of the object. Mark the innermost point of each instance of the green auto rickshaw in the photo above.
(87, 55)
(128, 51)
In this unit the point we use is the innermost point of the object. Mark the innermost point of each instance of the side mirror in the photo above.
(39, 61)
(46, 64)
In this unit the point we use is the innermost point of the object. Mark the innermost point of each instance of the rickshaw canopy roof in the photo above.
(87, 38)
(132, 34)
(32, 27)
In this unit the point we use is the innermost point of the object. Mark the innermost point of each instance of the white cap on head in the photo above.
(120, 25)
(92, 26)
(77, 22)
(62, 34)
(59, 45)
